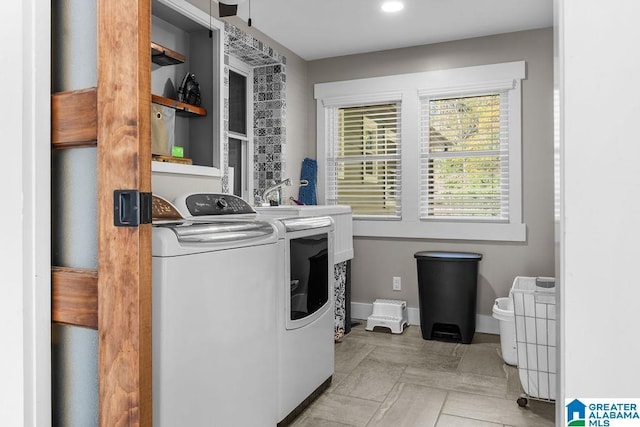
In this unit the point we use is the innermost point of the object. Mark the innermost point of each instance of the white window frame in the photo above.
(246, 70)
(386, 98)
(410, 87)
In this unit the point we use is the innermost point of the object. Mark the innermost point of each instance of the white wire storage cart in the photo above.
(534, 304)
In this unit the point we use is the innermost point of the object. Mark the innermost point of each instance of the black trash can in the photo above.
(447, 287)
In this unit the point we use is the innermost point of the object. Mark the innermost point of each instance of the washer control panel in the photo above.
(202, 204)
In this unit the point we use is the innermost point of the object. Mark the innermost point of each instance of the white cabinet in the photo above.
(185, 40)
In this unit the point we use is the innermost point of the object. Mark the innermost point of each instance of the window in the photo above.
(464, 157)
(425, 155)
(240, 142)
(363, 162)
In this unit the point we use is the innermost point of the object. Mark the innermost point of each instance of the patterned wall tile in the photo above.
(340, 281)
(269, 92)
(268, 109)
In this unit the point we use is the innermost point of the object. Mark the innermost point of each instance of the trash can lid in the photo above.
(453, 256)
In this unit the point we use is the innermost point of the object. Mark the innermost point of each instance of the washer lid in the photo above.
(219, 231)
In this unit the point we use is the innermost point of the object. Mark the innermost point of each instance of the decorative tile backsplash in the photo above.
(269, 106)
(339, 289)
(249, 49)
(269, 84)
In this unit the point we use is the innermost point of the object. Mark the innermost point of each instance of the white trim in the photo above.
(246, 70)
(473, 88)
(38, 210)
(342, 256)
(195, 14)
(15, 332)
(37, 213)
(441, 230)
(484, 324)
(321, 151)
(478, 76)
(25, 293)
(182, 169)
(220, 65)
(345, 101)
(239, 136)
(240, 67)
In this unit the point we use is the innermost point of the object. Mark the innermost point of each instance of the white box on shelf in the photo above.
(388, 313)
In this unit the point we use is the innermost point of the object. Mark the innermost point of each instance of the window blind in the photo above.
(464, 157)
(363, 159)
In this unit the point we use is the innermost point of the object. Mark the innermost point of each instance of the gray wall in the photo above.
(377, 260)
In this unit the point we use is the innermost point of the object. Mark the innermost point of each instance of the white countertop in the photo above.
(303, 210)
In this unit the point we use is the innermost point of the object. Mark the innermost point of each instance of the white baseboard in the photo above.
(487, 324)
(484, 324)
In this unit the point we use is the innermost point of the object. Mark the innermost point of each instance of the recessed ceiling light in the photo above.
(392, 6)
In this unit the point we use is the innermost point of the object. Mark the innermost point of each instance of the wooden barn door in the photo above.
(124, 252)
(115, 298)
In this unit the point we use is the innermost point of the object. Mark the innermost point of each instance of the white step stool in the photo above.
(388, 313)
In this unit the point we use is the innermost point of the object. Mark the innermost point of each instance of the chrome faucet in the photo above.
(286, 182)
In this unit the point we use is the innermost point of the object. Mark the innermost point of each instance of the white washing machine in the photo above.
(305, 319)
(215, 291)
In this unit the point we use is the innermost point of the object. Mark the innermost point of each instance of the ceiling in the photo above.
(316, 29)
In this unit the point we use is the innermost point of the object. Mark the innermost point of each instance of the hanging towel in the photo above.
(307, 194)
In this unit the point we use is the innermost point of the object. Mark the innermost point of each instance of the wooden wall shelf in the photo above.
(74, 116)
(180, 107)
(164, 56)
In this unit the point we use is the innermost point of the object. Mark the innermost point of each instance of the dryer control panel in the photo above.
(202, 204)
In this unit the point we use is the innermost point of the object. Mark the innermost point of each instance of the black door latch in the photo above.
(131, 208)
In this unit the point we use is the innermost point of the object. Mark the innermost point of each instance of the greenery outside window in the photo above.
(465, 158)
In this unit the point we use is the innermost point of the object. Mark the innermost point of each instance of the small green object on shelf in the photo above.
(177, 151)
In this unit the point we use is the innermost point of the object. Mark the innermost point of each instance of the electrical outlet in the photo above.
(397, 284)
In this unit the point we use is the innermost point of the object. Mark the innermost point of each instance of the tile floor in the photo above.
(382, 379)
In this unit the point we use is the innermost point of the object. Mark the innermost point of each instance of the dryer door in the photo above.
(310, 275)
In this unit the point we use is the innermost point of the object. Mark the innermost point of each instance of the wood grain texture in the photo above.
(74, 296)
(180, 107)
(162, 55)
(74, 118)
(124, 253)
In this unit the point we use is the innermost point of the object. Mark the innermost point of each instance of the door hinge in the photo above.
(131, 208)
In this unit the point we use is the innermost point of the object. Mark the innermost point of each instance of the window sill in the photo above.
(441, 230)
